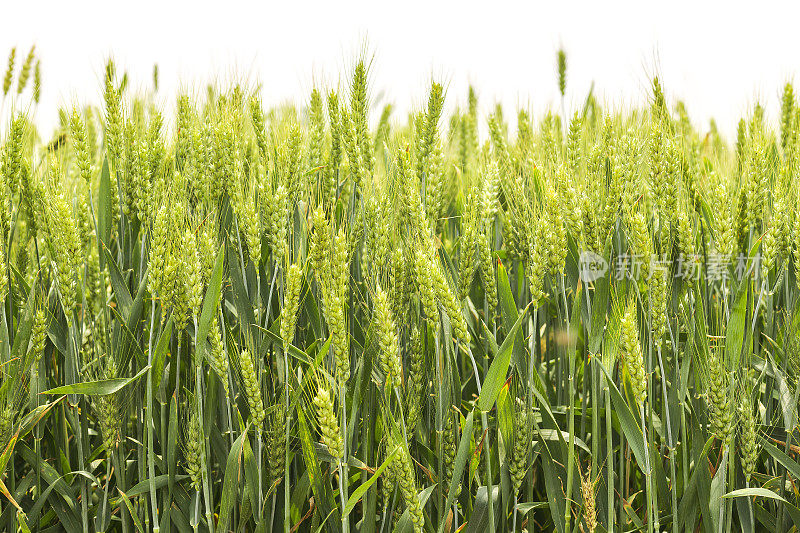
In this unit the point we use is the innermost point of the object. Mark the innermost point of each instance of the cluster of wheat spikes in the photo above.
(289, 320)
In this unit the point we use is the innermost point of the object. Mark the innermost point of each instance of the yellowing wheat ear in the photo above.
(719, 396)
(387, 338)
(9, 76)
(330, 435)
(631, 352)
(252, 390)
(748, 432)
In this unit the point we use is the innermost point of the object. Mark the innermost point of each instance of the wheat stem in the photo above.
(343, 480)
(570, 410)
(149, 421)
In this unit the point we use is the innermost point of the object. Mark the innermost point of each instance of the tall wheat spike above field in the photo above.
(249, 319)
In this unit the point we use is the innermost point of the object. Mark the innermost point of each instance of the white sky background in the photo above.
(716, 56)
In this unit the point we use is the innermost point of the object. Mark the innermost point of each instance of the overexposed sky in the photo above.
(719, 57)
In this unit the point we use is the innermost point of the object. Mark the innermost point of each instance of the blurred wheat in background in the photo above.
(325, 317)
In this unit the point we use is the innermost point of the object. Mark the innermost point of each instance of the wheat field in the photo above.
(328, 317)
